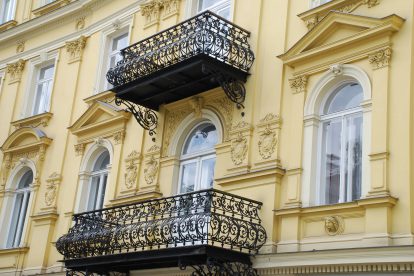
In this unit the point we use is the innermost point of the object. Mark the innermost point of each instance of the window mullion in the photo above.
(342, 187)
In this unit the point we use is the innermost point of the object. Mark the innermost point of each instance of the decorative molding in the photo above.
(267, 143)
(239, 149)
(33, 121)
(7, 25)
(151, 11)
(381, 58)
(119, 137)
(80, 23)
(171, 7)
(270, 117)
(313, 16)
(150, 171)
(131, 171)
(15, 70)
(336, 69)
(75, 48)
(153, 149)
(80, 149)
(334, 225)
(197, 103)
(20, 46)
(298, 84)
(51, 189)
(173, 119)
(225, 107)
(50, 7)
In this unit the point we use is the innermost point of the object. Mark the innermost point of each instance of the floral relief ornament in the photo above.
(131, 173)
(150, 170)
(51, 188)
(238, 149)
(267, 143)
(380, 58)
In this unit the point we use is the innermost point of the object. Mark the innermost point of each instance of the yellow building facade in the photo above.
(303, 114)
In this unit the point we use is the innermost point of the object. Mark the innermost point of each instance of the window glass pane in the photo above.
(315, 3)
(26, 180)
(353, 157)
(101, 195)
(225, 12)
(207, 173)
(188, 176)
(93, 192)
(205, 4)
(332, 156)
(15, 219)
(120, 42)
(7, 11)
(348, 96)
(102, 161)
(46, 72)
(203, 137)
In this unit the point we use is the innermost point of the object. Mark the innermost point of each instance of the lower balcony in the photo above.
(213, 232)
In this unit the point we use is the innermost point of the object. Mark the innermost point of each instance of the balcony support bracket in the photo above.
(233, 87)
(147, 118)
(215, 266)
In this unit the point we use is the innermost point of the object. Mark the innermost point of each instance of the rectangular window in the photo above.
(7, 8)
(316, 3)
(220, 7)
(44, 83)
(116, 45)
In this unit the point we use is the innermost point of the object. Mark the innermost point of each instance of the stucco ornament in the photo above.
(334, 225)
(336, 69)
(239, 149)
(15, 70)
(51, 188)
(75, 48)
(267, 143)
(150, 170)
(380, 58)
(131, 172)
(298, 84)
(79, 149)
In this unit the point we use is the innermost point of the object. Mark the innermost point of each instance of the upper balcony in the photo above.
(206, 230)
(199, 54)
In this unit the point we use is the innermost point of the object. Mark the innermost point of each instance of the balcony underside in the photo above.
(159, 258)
(181, 80)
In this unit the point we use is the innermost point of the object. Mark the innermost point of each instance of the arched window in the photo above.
(98, 180)
(198, 158)
(341, 145)
(19, 209)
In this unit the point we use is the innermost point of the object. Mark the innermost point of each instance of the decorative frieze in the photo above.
(131, 170)
(298, 84)
(334, 225)
(75, 48)
(152, 10)
(380, 58)
(15, 70)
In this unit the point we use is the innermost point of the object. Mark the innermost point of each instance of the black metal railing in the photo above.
(207, 217)
(205, 33)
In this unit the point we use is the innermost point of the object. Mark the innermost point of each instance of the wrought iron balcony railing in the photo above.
(166, 231)
(199, 54)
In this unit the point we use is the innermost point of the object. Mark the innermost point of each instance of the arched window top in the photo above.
(203, 137)
(102, 161)
(25, 180)
(346, 97)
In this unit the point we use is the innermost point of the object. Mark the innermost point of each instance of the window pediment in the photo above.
(98, 120)
(25, 139)
(337, 30)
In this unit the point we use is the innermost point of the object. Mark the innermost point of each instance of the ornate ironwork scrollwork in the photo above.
(147, 118)
(217, 267)
(70, 272)
(207, 217)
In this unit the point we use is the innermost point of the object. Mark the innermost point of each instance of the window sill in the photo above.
(16, 250)
(33, 121)
(50, 7)
(7, 25)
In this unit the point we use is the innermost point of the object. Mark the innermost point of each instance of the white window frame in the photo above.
(192, 7)
(321, 173)
(35, 65)
(2, 74)
(11, 16)
(102, 184)
(310, 195)
(197, 157)
(317, 3)
(121, 26)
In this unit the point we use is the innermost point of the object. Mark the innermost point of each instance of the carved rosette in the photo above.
(298, 84)
(131, 169)
(75, 48)
(381, 58)
(52, 189)
(15, 70)
(334, 225)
